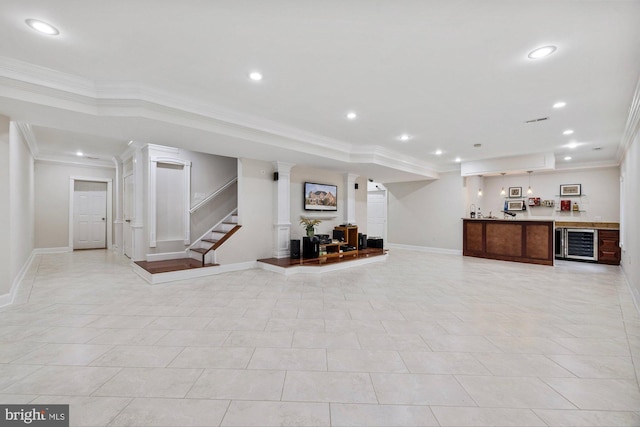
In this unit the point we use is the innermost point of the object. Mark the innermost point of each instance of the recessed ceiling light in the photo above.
(438, 152)
(42, 27)
(567, 158)
(572, 144)
(559, 104)
(477, 145)
(597, 148)
(130, 142)
(404, 137)
(541, 52)
(567, 132)
(351, 115)
(255, 76)
(79, 153)
(458, 159)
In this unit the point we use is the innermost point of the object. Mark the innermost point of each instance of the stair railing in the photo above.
(213, 195)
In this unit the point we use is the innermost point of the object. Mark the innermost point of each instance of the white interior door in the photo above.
(127, 212)
(377, 214)
(90, 215)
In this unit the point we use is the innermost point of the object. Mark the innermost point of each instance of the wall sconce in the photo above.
(502, 192)
(480, 189)
(529, 190)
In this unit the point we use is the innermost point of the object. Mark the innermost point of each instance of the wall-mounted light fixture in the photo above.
(480, 189)
(529, 190)
(503, 192)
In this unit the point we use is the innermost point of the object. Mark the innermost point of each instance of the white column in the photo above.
(282, 204)
(137, 222)
(350, 198)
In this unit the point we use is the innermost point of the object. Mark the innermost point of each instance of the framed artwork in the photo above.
(571, 190)
(515, 192)
(515, 205)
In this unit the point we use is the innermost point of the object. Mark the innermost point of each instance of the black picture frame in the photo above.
(571, 190)
(515, 192)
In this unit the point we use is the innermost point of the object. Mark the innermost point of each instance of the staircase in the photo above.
(204, 248)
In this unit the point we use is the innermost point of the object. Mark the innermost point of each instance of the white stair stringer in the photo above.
(202, 250)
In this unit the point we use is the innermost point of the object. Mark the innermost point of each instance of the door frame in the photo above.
(384, 192)
(109, 181)
(129, 175)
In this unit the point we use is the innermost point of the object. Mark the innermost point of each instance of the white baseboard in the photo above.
(425, 249)
(193, 273)
(635, 293)
(320, 269)
(61, 250)
(9, 298)
(166, 255)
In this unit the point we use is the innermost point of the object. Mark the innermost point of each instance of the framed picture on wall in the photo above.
(571, 190)
(515, 205)
(515, 192)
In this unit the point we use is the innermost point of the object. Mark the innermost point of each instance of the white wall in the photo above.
(52, 199)
(630, 233)
(5, 227)
(302, 174)
(208, 173)
(17, 214)
(254, 240)
(427, 213)
(601, 187)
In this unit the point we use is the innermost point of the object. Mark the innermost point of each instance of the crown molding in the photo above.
(383, 157)
(62, 160)
(632, 128)
(29, 137)
(39, 85)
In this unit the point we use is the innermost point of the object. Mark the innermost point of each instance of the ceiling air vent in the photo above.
(541, 119)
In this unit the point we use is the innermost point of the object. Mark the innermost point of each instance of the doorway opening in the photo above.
(90, 213)
(377, 210)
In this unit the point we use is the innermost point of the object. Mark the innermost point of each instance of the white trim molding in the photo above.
(9, 298)
(167, 255)
(186, 181)
(632, 127)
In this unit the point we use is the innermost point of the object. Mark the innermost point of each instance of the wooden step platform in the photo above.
(323, 261)
(181, 264)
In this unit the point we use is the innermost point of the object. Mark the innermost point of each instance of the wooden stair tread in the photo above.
(209, 240)
(199, 250)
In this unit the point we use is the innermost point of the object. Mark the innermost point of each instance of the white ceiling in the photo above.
(449, 73)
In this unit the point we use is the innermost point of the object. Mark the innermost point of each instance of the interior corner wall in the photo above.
(254, 240)
(5, 227)
(630, 206)
(427, 213)
(52, 200)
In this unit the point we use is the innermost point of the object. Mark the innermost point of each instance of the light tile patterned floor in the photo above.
(420, 340)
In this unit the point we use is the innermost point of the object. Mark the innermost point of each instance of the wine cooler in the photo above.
(576, 243)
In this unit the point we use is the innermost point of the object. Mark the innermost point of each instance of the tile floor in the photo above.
(420, 340)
